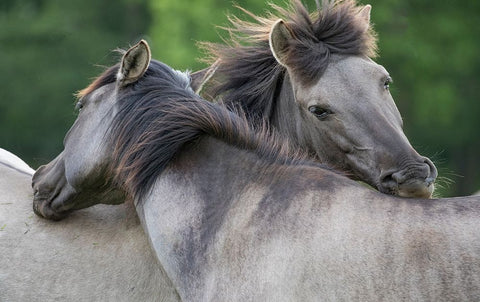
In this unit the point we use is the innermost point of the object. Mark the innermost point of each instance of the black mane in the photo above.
(160, 113)
(248, 76)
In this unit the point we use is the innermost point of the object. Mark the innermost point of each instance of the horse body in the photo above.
(238, 230)
(98, 254)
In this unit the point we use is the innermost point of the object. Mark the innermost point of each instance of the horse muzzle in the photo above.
(416, 181)
(42, 208)
(51, 190)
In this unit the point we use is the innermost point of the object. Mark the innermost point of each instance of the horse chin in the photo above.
(416, 189)
(411, 189)
(54, 204)
(43, 208)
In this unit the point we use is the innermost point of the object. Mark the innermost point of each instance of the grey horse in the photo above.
(235, 215)
(98, 254)
(311, 76)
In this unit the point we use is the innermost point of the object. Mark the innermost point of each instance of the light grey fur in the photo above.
(9, 159)
(98, 254)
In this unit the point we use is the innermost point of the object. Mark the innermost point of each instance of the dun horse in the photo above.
(233, 217)
(312, 78)
(98, 254)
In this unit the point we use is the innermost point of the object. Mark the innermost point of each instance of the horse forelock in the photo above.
(160, 113)
(248, 74)
(107, 77)
(335, 29)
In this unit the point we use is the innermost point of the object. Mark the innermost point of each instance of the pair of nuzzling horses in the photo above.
(316, 85)
(230, 208)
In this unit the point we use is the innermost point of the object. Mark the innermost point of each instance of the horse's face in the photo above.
(350, 113)
(80, 176)
(349, 120)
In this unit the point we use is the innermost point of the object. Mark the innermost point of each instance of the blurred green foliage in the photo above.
(432, 51)
(49, 49)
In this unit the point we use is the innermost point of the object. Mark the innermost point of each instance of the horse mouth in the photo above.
(44, 206)
(417, 189)
(414, 188)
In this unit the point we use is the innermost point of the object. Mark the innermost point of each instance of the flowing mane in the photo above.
(248, 75)
(160, 113)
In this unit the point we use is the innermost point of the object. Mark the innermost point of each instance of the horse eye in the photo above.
(386, 84)
(79, 106)
(319, 112)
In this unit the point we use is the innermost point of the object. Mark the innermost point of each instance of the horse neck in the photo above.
(285, 112)
(187, 206)
(209, 214)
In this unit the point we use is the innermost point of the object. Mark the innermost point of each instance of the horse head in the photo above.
(312, 77)
(81, 175)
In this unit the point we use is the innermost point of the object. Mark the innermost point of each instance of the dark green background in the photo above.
(49, 49)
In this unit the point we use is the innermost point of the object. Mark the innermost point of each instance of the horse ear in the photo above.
(134, 63)
(364, 16)
(279, 38)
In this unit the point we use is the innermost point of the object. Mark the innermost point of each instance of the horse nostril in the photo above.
(388, 183)
(398, 177)
(432, 170)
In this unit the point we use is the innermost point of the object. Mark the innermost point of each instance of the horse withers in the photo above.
(14, 162)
